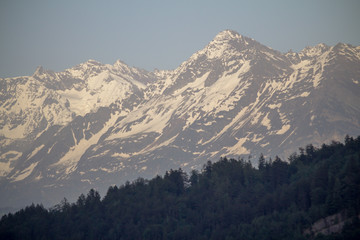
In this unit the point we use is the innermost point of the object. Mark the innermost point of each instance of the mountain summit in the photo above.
(228, 43)
(232, 38)
(94, 125)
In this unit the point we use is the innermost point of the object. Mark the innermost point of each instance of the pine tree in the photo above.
(261, 161)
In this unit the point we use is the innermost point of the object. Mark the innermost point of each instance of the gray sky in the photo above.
(159, 34)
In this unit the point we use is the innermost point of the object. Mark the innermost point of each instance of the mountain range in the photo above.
(95, 125)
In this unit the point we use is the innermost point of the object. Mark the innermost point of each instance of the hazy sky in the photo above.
(159, 34)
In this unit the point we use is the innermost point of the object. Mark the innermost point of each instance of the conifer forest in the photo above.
(227, 199)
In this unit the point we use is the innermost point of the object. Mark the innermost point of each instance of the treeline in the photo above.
(228, 199)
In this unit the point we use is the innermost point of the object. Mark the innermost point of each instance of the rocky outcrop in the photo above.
(329, 225)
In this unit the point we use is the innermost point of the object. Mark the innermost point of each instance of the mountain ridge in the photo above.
(97, 124)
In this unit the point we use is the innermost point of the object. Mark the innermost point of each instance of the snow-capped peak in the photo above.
(227, 35)
(89, 64)
(232, 38)
(85, 69)
(121, 66)
(92, 62)
(316, 50)
(226, 42)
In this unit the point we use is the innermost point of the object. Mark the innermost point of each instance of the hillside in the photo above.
(228, 199)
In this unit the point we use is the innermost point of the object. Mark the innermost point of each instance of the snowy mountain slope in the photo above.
(95, 125)
(56, 98)
(33, 106)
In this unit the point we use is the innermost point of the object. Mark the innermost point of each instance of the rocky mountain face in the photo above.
(96, 125)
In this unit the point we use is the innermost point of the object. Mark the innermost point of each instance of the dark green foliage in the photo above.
(229, 199)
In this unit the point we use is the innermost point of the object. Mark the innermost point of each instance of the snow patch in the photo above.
(143, 169)
(25, 173)
(256, 118)
(155, 118)
(305, 94)
(199, 83)
(72, 157)
(234, 121)
(120, 155)
(257, 138)
(238, 148)
(266, 122)
(36, 150)
(11, 156)
(273, 106)
(18, 132)
(223, 87)
(283, 130)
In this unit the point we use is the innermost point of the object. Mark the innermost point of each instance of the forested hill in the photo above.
(228, 199)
